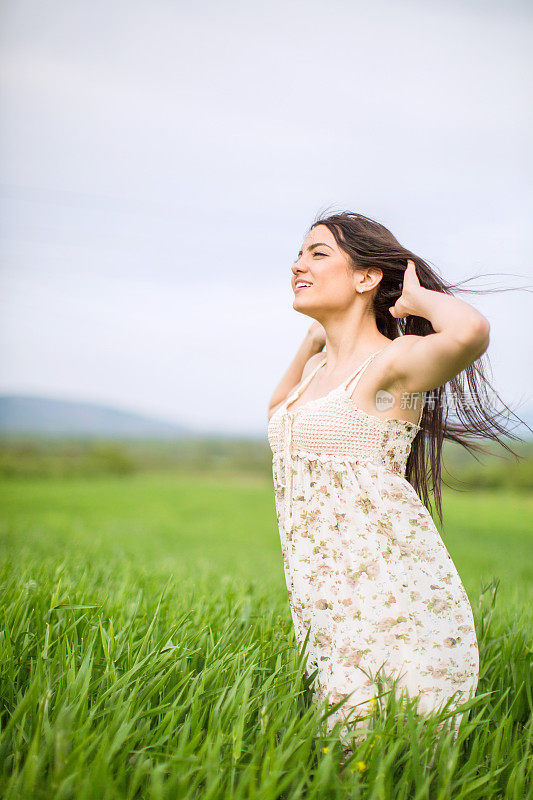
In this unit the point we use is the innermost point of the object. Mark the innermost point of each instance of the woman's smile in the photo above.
(301, 284)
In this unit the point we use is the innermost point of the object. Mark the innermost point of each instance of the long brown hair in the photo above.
(370, 244)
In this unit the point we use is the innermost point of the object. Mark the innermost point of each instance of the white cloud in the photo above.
(160, 164)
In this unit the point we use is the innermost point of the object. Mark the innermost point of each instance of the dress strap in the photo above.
(301, 386)
(358, 372)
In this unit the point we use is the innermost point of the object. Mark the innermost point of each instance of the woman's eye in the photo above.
(316, 253)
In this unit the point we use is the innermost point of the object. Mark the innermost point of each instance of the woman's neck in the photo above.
(348, 341)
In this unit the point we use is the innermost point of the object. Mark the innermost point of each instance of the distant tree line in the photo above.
(23, 457)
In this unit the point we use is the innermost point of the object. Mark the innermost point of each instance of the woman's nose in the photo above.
(298, 267)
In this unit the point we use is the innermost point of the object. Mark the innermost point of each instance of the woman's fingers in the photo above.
(410, 278)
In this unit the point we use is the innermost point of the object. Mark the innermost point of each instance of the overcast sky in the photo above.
(161, 162)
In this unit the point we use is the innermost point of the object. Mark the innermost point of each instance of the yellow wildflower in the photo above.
(361, 766)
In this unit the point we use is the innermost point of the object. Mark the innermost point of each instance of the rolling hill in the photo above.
(26, 414)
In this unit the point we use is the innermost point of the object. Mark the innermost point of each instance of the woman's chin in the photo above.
(303, 308)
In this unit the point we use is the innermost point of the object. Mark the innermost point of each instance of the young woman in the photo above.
(373, 591)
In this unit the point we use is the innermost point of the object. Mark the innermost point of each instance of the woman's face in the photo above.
(326, 268)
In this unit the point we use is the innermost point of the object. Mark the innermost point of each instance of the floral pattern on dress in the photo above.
(367, 573)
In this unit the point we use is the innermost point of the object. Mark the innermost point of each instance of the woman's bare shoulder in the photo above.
(310, 365)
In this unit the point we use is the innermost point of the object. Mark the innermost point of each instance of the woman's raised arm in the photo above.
(461, 336)
(312, 344)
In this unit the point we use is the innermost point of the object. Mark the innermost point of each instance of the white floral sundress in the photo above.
(368, 575)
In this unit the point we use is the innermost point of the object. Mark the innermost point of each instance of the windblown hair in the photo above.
(370, 244)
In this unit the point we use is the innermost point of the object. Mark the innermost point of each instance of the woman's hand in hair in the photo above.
(461, 335)
(407, 302)
(317, 334)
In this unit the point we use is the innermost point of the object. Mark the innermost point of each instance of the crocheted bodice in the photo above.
(332, 426)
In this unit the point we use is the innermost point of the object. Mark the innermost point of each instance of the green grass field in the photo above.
(148, 651)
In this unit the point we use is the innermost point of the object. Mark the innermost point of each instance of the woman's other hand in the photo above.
(317, 334)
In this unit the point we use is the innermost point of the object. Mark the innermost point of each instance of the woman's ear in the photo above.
(377, 275)
(371, 278)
